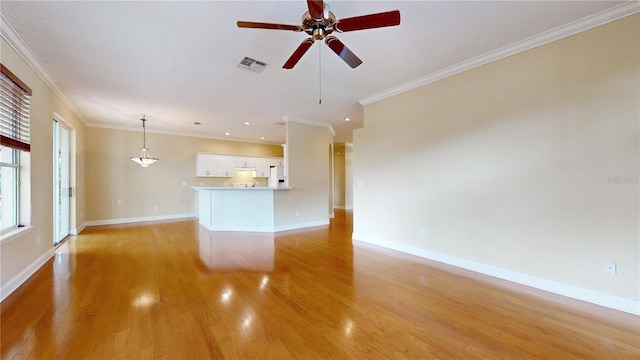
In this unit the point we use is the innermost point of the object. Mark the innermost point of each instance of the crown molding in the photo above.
(15, 41)
(287, 119)
(580, 25)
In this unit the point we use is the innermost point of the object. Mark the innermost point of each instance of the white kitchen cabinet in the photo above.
(245, 161)
(206, 165)
(262, 167)
(201, 165)
(275, 162)
(260, 164)
(213, 165)
(226, 165)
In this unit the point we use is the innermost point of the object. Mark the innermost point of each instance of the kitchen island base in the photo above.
(237, 209)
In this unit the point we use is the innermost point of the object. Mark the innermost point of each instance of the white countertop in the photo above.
(239, 188)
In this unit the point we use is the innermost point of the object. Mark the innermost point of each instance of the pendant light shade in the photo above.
(144, 159)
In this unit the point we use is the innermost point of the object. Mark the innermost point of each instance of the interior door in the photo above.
(61, 187)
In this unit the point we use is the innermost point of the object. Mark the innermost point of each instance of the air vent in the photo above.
(252, 64)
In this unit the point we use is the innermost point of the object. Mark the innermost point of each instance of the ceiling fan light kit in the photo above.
(319, 23)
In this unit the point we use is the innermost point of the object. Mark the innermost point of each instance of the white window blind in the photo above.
(15, 98)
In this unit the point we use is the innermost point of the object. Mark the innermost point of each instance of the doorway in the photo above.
(61, 188)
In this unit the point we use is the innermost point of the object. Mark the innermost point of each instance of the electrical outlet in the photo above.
(297, 213)
(423, 233)
(118, 202)
(609, 268)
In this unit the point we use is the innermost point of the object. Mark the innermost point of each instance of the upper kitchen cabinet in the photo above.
(214, 165)
(206, 165)
(245, 162)
(226, 165)
(262, 167)
(274, 162)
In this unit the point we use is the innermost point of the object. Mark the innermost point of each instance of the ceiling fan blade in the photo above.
(345, 54)
(260, 25)
(389, 18)
(316, 8)
(295, 57)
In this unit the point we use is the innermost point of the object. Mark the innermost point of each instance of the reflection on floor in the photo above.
(236, 251)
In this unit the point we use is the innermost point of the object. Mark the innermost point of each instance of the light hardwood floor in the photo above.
(173, 290)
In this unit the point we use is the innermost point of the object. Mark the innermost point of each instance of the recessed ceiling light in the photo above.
(227, 133)
(347, 119)
(247, 123)
(261, 137)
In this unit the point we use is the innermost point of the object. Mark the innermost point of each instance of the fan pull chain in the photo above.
(320, 75)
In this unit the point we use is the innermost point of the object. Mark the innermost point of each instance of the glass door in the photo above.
(61, 188)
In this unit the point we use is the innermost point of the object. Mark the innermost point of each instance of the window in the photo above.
(9, 190)
(15, 99)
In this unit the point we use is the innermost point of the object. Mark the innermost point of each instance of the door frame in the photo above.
(72, 180)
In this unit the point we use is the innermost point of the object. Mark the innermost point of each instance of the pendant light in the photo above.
(144, 160)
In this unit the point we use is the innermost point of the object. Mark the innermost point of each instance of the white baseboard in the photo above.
(79, 229)
(10, 286)
(267, 229)
(343, 207)
(302, 225)
(575, 292)
(138, 219)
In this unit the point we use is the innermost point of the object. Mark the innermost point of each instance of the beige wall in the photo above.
(160, 190)
(339, 176)
(348, 176)
(308, 149)
(528, 164)
(343, 176)
(33, 247)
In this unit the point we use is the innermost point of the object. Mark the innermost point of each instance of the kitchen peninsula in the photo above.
(237, 208)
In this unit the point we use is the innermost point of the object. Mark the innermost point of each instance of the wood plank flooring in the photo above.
(173, 290)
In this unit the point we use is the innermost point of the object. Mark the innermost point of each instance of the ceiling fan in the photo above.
(319, 23)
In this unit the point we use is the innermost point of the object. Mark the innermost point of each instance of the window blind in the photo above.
(15, 99)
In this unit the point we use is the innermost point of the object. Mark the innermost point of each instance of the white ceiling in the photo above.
(176, 61)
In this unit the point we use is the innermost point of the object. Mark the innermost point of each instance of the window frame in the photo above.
(15, 165)
(15, 118)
